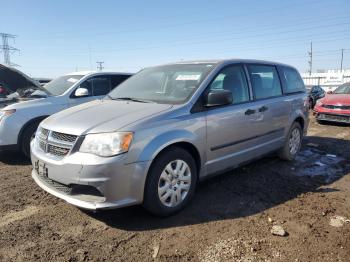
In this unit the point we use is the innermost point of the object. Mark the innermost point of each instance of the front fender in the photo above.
(159, 142)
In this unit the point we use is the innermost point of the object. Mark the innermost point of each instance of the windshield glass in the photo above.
(59, 85)
(344, 89)
(170, 84)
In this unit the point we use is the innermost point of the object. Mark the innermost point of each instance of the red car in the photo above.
(334, 106)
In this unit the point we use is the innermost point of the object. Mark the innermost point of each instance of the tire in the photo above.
(292, 144)
(170, 185)
(27, 136)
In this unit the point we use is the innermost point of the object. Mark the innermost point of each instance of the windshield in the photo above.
(59, 85)
(170, 84)
(344, 89)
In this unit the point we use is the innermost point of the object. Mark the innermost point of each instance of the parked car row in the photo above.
(103, 140)
(150, 140)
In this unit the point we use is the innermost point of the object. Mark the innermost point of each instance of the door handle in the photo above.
(263, 109)
(249, 112)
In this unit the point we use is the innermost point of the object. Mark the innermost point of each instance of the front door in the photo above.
(230, 128)
(98, 87)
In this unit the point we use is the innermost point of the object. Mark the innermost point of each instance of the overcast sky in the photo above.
(57, 37)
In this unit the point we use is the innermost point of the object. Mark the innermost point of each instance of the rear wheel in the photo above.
(171, 182)
(27, 136)
(292, 144)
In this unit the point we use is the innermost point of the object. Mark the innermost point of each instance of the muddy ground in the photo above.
(230, 217)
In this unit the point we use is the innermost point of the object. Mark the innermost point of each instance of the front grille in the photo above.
(337, 118)
(42, 145)
(63, 137)
(58, 186)
(336, 107)
(57, 151)
(45, 131)
(54, 143)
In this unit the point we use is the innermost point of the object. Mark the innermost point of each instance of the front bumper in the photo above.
(332, 115)
(333, 118)
(118, 184)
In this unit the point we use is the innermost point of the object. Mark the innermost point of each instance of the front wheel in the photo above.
(171, 182)
(292, 144)
(27, 136)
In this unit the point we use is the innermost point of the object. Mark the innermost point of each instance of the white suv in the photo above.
(28, 106)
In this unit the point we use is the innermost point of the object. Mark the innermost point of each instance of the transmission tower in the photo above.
(7, 49)
(99, 65)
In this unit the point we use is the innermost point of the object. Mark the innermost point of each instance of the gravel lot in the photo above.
(230, 218)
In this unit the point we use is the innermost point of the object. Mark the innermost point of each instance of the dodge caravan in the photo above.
(161, 131)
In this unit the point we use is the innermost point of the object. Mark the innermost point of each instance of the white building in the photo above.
(327, 79)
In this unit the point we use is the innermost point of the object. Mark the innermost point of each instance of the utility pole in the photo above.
(99, 65)
(341, 60)
(7, 49)
(310, 60)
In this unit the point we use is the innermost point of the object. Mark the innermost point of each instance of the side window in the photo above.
(117, 80)
(97, 85)
(265, 81)
(292, 80)
(232, 78)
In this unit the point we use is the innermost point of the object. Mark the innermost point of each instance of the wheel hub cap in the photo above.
(174, 183)
(294, 141)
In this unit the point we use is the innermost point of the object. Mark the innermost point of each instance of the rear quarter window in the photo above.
(292, 82)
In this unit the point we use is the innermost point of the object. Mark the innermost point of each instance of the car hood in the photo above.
(101, 116)
(336, 99)
(15, 102)
(16, 79)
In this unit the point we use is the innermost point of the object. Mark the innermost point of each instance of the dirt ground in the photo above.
(230, 218)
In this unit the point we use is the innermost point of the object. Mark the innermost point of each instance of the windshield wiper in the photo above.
(132, 99)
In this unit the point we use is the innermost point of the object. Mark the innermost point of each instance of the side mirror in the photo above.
(218, 97)
(81, 92)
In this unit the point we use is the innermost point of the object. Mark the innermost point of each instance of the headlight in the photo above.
(107, 144)
(4, 113)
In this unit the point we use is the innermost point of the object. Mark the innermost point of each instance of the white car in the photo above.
(27, 106)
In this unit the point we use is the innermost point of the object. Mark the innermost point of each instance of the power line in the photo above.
(200, 21)
(7, 49)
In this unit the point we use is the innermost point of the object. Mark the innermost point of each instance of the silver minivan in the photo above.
(161, 131)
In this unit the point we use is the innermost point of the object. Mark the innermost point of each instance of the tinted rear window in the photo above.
(292, 80)
(265, 81)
